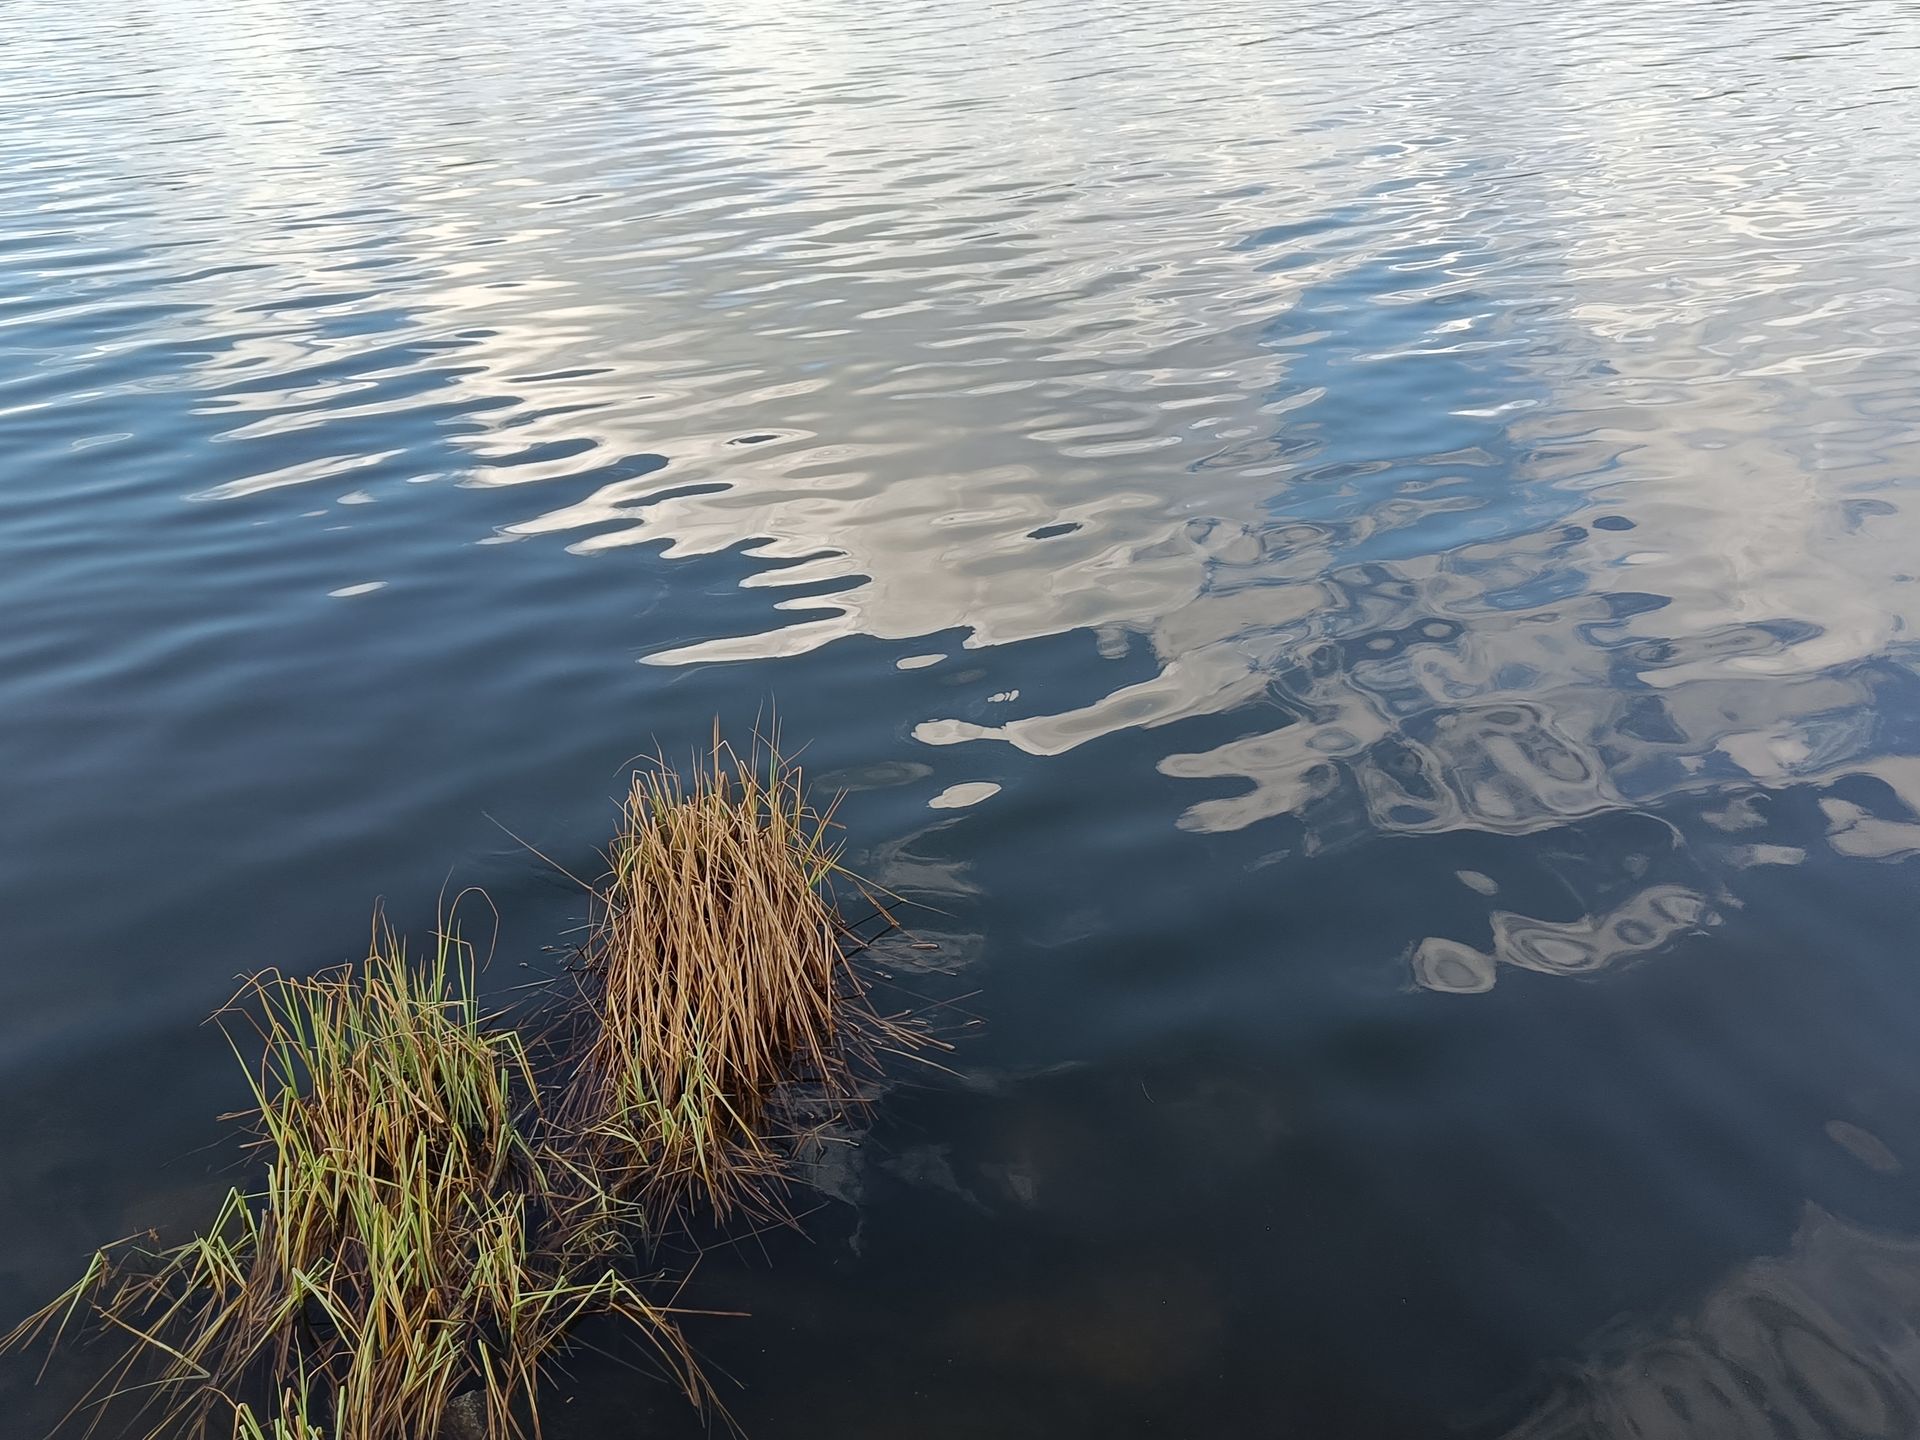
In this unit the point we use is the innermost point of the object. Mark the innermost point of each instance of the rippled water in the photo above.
(1361, 557)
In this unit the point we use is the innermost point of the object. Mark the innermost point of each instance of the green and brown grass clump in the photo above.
(402, 1250)
(444, 1201)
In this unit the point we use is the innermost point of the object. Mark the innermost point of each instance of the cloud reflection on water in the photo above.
(1484, 484)
(1821, 1341)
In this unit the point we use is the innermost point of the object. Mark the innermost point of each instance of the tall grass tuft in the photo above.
(720, 1016)
(402, 1250)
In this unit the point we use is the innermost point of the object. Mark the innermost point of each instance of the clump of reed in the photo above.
(721, 1016)
(445, 1200)
(402, 1249)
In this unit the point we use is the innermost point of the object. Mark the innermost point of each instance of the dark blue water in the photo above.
(1357, 557)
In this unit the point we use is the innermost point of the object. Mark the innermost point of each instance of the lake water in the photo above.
(1361, 559)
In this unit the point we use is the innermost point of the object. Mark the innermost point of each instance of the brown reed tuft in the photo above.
(722, 1018)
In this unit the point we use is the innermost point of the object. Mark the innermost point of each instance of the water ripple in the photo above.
(1181, 437)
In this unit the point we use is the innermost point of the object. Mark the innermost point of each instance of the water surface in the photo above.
(1360, 558)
